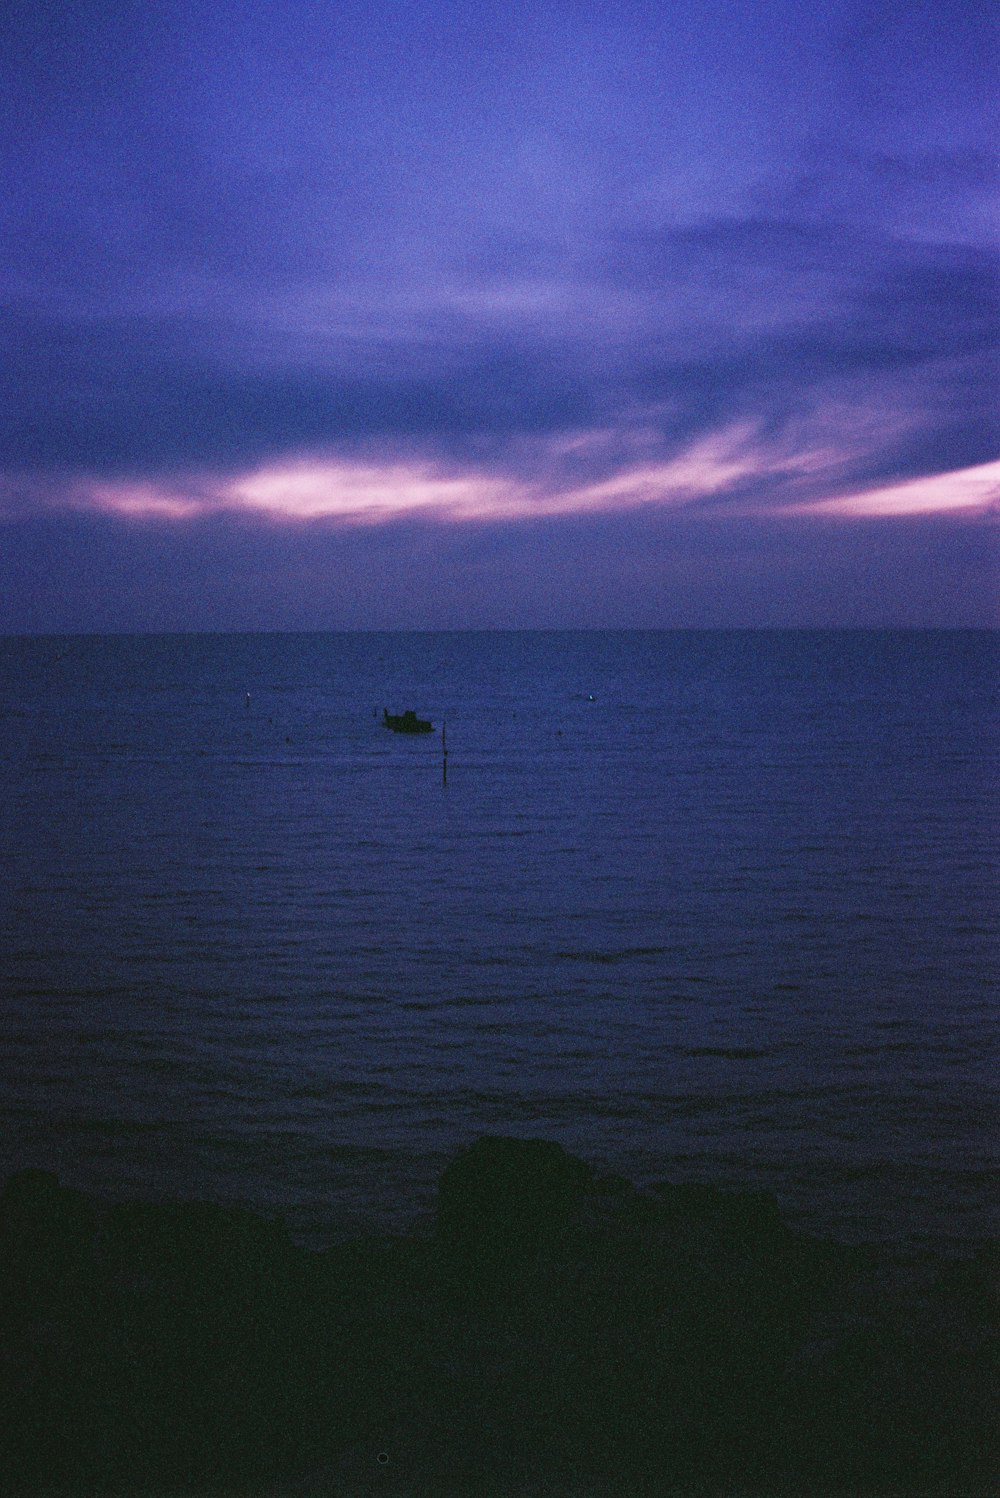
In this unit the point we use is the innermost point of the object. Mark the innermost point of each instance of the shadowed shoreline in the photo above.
(560, 1333)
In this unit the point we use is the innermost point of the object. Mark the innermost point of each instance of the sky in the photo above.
(440, 314)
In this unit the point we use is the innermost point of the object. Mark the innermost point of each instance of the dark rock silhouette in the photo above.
(558, 1333)
(47, 1242)
(502, 1202)
(749, 1214)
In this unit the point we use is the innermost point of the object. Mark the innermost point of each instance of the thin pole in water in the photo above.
(444, 754)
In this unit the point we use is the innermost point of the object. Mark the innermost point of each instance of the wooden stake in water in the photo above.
(444, 754)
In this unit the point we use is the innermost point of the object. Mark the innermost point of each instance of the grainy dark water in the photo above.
(713, 906)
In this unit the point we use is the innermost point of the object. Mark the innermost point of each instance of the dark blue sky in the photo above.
(446, 315)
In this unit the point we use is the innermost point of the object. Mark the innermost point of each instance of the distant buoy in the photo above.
(248, 699)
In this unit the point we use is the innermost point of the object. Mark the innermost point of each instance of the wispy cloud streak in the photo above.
(734, 471)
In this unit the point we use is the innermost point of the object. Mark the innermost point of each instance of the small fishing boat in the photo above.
(406, 722)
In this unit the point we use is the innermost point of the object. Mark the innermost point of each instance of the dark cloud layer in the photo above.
(139, 395)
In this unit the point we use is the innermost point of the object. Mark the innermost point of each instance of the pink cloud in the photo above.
(573, 473)
(366, 491)
(971, 489)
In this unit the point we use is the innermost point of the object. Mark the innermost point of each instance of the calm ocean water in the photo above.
(700, 906)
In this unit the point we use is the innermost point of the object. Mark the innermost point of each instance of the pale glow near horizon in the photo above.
(364, 491)
(941, 493)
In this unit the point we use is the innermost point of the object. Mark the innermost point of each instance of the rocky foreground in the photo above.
(560, 1334)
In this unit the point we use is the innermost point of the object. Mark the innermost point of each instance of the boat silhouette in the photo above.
(407, 722)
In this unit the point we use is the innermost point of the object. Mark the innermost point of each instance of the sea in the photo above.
(700, 906)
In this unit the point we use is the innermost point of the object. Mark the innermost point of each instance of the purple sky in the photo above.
(453, 315)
